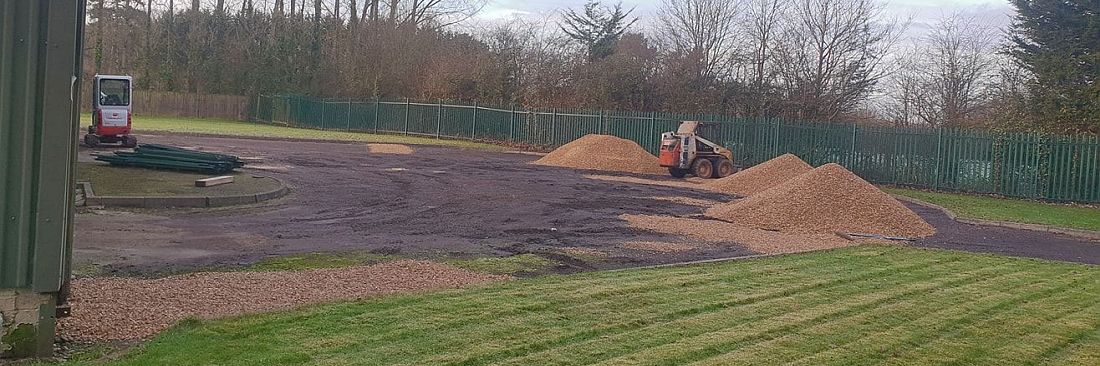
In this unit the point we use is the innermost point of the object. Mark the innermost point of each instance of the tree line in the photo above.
(821, 60)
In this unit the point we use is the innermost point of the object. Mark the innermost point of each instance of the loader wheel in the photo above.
(677, 172)
(703, 168)
(129, 141)
(724, 168)
(91, 140)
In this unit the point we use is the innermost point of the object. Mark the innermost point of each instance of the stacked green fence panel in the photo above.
(1027, 165)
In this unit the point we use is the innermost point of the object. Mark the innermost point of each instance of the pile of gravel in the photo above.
(111, 308)
(603, 152)
(828, 199)
(761, 177)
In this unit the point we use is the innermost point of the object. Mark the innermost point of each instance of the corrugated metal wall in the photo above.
(40, 42)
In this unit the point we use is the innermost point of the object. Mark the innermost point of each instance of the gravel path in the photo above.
(114, 308)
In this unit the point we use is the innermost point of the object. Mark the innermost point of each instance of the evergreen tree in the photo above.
(1058, 42)
(598, 27)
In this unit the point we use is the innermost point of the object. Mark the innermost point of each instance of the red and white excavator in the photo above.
(684, 152)
(112, 111)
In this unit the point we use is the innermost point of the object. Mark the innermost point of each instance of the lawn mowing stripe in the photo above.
(924, 262)
(1086, 348)
(662, 334)
(876, 342)
(1029, 317)
(919, 340)
(633, 324)
(888, 341)
(831, 336)
(692, 349)
(653, 289)
(1045, 340)
(528, 320)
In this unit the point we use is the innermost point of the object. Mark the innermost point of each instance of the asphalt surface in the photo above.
(441, 202)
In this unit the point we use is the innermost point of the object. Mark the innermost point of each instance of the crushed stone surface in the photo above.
(677, 183)
(389, 149)
(828, 199)
(584, 252)
(698, 202)
(117, 308)
(762, 176)
(659, 246)
(761, 241)
(603, 152)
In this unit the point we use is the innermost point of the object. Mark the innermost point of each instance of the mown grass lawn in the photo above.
(237, 128)
(862, 305)
(110, 180)
(1007, 209)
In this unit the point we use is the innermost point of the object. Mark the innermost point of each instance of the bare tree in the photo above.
(702, 30)
(763, 19)
(954, 68)
(831, 55)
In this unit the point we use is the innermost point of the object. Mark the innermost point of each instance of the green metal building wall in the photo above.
(40, 44)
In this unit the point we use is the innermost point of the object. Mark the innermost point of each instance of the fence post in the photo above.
(408, 104)
(939, 158)
(512, 125)
(852, 157)
(473, 124)
(553, 126)
(775, 143)
(349, 115)
(439, 119)
(377, 106)
(600, 131)
(323, 105)
(652, 129)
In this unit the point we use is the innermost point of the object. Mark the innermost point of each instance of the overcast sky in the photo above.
(995, 13)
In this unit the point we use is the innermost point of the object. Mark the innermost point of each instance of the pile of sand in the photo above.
(761, 177)
(603, 152)
(825, 200)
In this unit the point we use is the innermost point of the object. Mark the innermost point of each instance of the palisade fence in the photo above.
(1026, 165)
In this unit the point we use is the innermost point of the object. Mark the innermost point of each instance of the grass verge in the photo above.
(861, 305)
(248, 129)
(1007, 209)
(512, 265)
(298, 262)
(110, 180)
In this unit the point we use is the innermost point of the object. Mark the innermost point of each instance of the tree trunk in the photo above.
(220, 8)
(374, 10)
(195, 5)
(393, 11)
(353, 12)
(317, 11)
(279, 7)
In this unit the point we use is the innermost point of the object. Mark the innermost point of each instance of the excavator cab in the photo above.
(684, 152)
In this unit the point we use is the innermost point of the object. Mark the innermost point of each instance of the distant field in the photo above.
(237, 128)
(862, 305)
(1008, 209)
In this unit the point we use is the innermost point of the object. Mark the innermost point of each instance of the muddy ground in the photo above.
(438, 202)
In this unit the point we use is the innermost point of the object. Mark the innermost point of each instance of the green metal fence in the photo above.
(1027, 165)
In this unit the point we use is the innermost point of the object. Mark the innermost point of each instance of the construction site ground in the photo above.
(443, 202)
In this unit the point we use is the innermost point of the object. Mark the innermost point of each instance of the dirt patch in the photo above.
(389, 149)
(761, 241)
(603, 152)
(659, 246)
(675, 183)
(826, 200)
(109, 308)
(763, 176)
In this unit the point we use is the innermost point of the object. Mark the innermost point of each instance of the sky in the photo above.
(995, 13)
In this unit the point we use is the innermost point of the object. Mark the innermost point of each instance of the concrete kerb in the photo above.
(91, 199)
(1077, 233)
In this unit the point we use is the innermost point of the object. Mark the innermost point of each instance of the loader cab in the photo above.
(112, 111)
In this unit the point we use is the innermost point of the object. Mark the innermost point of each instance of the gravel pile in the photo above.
(606, 153)
(761, 241)
(107, 309)
(389, 149)
(828, 199)
(762, 176)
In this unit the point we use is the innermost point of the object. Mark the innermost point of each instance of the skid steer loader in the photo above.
(684, 152)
